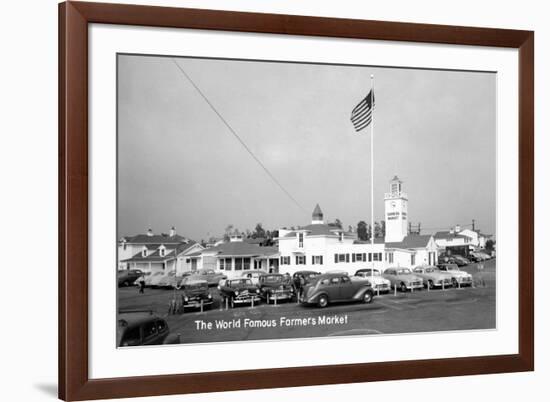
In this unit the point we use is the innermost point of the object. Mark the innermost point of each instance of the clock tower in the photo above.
(396, 209)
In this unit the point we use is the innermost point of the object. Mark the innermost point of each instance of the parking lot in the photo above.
(418, 311)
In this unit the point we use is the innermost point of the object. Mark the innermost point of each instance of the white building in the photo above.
(322, 247)
(150, 252)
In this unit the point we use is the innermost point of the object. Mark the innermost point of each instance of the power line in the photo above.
(266, 170)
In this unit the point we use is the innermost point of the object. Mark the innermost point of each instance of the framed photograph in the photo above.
(259, 200)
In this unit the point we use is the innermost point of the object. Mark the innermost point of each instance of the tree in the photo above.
(362, 231)
(490, 245)
(259, 231)
(228, 231)
(337, 223)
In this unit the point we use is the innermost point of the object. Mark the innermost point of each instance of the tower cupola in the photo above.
(317, 216)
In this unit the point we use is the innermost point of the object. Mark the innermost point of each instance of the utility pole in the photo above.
(474, 225)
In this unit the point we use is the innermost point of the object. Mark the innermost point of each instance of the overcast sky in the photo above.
(179, 165)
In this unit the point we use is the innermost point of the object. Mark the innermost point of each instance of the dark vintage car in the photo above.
(195, 292)
(137, 328)
(275, 287)
(300, 278)
(334, 288)
(127, 277)
(239, 291)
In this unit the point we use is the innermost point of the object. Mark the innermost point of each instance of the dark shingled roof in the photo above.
(411, 241)
(319, 229)
(159, 239)
(242, 248)
(448, 235)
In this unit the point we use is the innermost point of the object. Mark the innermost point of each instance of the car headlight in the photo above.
(257, 290)
(186, 298)
(209, 295)
(236, 292)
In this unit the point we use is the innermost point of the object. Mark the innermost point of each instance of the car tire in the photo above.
(455, 283)
(322, 301)
(403, 287)
(367, 297)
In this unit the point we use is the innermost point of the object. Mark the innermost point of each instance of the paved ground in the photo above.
(420, 311)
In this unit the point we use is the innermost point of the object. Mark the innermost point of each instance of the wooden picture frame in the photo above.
(74, 381)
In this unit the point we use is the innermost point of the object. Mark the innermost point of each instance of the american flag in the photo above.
(361, 115)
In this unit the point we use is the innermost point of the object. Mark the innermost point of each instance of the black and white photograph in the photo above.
(270, 199)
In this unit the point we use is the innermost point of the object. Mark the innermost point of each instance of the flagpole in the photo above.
(372, 175)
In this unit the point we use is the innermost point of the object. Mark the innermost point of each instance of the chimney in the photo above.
(149, 232)
(172, 231)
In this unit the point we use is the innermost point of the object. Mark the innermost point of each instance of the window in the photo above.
(162, 251)
(228, 264)
(377, 257)
(335, 280)
(285, 260)
(317, 260)
(358, 257)
(413, 259)
(238, 264)
(246, 263)
(300, 240)
(370, 257)
(345, 279)
(222, 263)
(144, 252)
(341, 236)
(300, 260)
(389, 257)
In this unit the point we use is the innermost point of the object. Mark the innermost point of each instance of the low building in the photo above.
(150, 252)
(236, 256)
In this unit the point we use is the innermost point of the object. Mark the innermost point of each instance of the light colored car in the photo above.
(403, 278)
(378, 282)
(153, 277)
(143, 278)
(433, 277)
(459, 277)
(210, 275)
(168, 280)
(157, 277)
(253, 275)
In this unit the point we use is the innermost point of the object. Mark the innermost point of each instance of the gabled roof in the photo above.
(411, 241)
(319, 229)
(159, 239)
(448, 235)
(153, 257)
(185, 246)
(239, 248)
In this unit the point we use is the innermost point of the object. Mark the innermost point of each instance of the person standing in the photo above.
(142, 285)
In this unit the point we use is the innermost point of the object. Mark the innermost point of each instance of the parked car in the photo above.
(433, 277)
(458, 277)
(143, 278)
(300, 278)
(238, 291)
(276, 287)
(403, 278)
(460, 260)
(211, 276)
(474, 257)
(137, 328)
(253, 275)
(153, 278)
(128, 276)
(167, 280)
(193, 292)
(378, 282)
(334, 288)
(484, 255)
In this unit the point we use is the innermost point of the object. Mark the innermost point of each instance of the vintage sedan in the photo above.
(459, 260)
(168, 280)
(335, 288)
(379, 283)
(127, 277)
(211, 276)
(137, 328)
(433, 277)
(300, 278)
(239, 291)
(403, 278)
(459, 277)
(194, 293)
(276, 287)
(253, 275)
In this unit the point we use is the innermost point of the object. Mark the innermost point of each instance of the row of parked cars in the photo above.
(306, 287)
